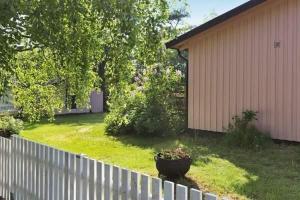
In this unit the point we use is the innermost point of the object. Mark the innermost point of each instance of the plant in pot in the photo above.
(173, 163)
(10, 125)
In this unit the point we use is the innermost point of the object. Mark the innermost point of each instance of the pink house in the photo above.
(247, 58)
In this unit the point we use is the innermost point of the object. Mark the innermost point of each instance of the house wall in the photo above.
(96, 105)
(237, 66)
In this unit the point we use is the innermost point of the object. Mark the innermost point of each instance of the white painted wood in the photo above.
(92, 179)
(84, 179)
(195, 194)
(22, 178)
(51, 173)
(4, 160)
(99, 180)
(209, 196)
(8, 170)
(72, 180)
(181, 192)
(125, 174)
(37, 172)
(134, 192)
(107, 182)
(116, 183)
(1, 167)
(61, 162)
(156, 189)
(34, 171)
(145, 187)
(168, 190)
(66, 172)
(78, 188)
(13, 164)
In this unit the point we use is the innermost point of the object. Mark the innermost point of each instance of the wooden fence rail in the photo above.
(32, 171)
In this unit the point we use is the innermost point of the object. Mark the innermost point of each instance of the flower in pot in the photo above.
(173, 163)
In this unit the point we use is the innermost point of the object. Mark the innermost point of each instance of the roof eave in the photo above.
(218, 20)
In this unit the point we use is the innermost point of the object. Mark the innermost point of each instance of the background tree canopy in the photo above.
(50, 49)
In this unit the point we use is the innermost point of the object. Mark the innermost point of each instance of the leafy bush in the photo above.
(173, 154)
(9, 126)
(243, 133)
(124, 112)
(150, 106)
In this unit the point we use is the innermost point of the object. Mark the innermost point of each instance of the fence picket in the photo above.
(51, 172)
(4, 168)
(156, 189)
(195, 194)
(145, 187)
(84, 179)
(125, 184)
(181, 192)
(209, 196)
(61, 161)
(99, 180)
(72, 180)
(78, 179)
(168, 190)
(116, 183)
(107, 182)
(33, 166)
(13, 165)
(66, 168)
(92, 179)
(134, 192)
(1, 166)
(37, 172)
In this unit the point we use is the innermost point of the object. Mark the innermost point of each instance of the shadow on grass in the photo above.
(70, 120)
(275, 168)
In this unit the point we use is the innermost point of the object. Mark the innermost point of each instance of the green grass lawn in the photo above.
(273, 173)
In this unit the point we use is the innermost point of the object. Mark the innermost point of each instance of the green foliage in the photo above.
(150, 107)
(73, 37)
(243, 133)
(174, 154)
(9, 125)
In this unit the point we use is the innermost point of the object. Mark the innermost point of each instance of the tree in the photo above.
(61, 43)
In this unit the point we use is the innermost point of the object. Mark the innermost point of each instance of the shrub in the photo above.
(123, 113)
(149, 107)
(243, 133)
(9, 126)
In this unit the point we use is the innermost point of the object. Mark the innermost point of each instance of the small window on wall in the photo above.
(73, 102)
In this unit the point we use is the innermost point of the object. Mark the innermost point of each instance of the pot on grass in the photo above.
(173, 163)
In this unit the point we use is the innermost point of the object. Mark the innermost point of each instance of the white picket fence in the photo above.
(32, 171)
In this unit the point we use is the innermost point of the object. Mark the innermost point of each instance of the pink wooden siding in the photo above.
(235, 66)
